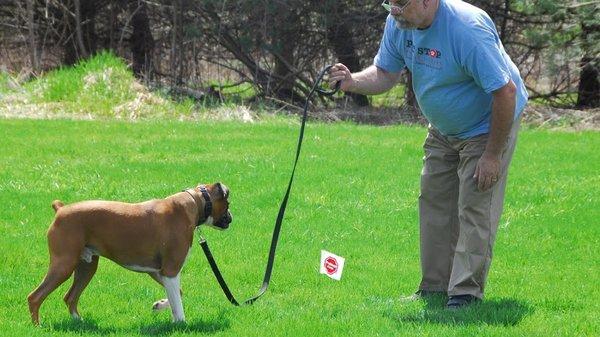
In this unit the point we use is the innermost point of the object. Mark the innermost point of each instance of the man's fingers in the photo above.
(483, 183)
(486, 182)
(339, 73)
(339, 66)
(335, 78)
(485, 175)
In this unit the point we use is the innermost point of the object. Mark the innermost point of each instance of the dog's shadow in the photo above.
(194, 327)
(91, 327)
(500, 312)
(87, 326)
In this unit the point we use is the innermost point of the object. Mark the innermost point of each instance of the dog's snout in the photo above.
(224, 221)
(227, 219)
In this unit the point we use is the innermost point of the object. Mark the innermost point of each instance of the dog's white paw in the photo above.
(161, 305)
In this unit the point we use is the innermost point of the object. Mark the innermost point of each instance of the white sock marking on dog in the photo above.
(174, 296)
(161, 304)
(164, 303)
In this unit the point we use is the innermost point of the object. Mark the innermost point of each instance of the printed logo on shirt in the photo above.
(430, 52)
(429, 57)
(409, 48)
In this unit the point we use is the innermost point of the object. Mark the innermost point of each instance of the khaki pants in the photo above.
(458, 222)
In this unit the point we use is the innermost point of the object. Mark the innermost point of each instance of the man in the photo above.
(472, 95)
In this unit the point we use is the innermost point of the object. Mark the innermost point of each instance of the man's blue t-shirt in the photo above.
(456, 64)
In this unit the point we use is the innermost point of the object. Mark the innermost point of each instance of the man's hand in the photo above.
(341, 73)
(487, 171)
(369, 81)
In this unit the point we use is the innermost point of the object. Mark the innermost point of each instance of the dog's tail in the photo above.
(57, 204)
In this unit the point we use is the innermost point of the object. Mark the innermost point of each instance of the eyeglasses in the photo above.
(395, 10)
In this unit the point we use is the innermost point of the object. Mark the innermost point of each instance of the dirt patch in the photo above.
(148, 105)
(557, 118)
(533, 116)
(370, 115)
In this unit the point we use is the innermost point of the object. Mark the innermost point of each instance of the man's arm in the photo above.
(503, 108)
(370, 81)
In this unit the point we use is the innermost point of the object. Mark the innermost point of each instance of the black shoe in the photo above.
(461, 301)
(423, 294)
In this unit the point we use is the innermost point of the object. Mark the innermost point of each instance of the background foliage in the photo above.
(200, 48)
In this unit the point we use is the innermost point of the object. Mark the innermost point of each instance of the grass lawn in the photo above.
(355, 194)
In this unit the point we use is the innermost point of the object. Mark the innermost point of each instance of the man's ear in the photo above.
(223, 190)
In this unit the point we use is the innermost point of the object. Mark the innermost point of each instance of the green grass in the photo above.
(355, 195)
(393, 97)
(94, 85)
(102, 87)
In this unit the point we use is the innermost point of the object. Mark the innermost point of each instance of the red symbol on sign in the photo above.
(433, 53)
(331, 265)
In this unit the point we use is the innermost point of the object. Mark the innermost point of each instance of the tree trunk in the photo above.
(177, 43)
(589, 84)
(589, 81)
(283, 46)
(113, 25)
(78, 32)
(142, 42)
(35, 62)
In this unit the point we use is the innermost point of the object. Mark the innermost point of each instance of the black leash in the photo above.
(276, 230)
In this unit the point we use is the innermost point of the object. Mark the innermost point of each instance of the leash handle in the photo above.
(282, 207)
(322, 91)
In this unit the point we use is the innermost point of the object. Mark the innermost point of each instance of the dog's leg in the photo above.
(174, 295)
(83, 274)
(59, 271)
(163, 303)
(65, 250)
(160, 304)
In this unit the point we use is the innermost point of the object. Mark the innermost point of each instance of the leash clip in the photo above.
(201, 238)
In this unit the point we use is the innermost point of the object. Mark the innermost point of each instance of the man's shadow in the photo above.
(502, 312)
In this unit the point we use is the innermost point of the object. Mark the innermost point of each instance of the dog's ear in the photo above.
(223, 190)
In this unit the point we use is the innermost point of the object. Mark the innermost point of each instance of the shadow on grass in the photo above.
(194, 327)
(89, 326)
(501, 312)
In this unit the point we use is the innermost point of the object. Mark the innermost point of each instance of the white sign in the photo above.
(332, 265)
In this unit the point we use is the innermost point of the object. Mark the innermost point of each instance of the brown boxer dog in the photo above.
(152, 237)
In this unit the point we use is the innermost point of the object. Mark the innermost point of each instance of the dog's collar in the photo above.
(207, 204)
